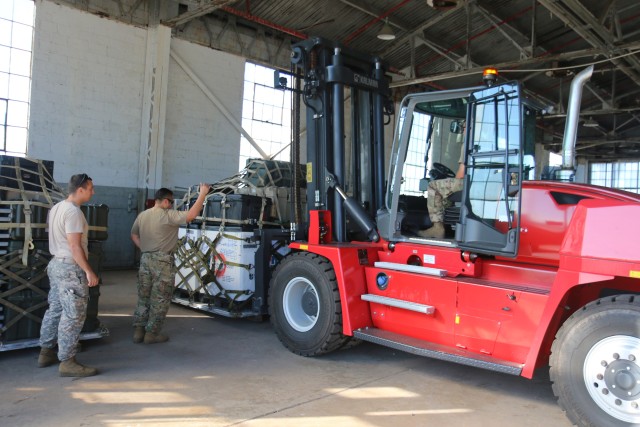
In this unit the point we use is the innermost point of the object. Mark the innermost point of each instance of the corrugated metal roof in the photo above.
(517, 33)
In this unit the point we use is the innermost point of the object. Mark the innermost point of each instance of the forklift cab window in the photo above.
(425, 135)
(433, 152)
(431, 142)
(435, 137)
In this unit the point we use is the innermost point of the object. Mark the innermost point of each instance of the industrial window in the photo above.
(266, 115)
(621, 175)
(16, 37)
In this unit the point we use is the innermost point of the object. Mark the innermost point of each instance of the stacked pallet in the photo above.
(27, 192)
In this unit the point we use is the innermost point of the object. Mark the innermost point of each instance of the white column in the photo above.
(154, 105)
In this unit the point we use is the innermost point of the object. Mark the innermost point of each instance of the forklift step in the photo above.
(436, 351)
(411, 268)
(393, 302)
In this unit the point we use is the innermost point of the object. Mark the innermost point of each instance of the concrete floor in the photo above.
(223, 372)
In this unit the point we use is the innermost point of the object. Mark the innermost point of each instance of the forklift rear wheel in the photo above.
(595, 366)
(304, 304)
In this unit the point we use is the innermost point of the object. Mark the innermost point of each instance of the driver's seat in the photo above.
(452, 213)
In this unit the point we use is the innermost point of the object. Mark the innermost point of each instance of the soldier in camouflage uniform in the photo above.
(155, 232)
(437, 194)
(70, 277)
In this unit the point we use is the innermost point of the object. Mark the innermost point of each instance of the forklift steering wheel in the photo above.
(440, 171)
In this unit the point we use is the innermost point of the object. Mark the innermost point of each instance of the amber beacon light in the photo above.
(489, 76)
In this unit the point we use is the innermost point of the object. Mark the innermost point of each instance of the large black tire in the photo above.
(595, 363)
(304, 304)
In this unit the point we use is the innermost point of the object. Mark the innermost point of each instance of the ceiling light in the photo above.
(442, 4)
(387, 32)
(590, 123)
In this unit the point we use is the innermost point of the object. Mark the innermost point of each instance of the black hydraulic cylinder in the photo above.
(357, 212)
(362, 218)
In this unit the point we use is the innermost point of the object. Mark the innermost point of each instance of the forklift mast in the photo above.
(345, 176)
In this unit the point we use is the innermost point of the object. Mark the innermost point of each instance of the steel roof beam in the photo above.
(589, 85)
(419, 31)
(403, 26)
(519, 63)
(366, 9)
(196, 12)
(495, 22)
(605, 10)
(600, 38)
(601, 112)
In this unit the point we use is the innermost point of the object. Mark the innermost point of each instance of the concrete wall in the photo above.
(200, 144)
(86, 112)
(87, 78)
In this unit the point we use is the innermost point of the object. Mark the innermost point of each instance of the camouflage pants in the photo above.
(155, 287)
(437, 193)
(68, 297)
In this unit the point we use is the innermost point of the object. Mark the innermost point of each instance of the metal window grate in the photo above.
(16, 41)
(266, 115)
(620, 175)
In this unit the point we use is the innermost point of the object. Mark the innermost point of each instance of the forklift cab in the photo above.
(428, 145)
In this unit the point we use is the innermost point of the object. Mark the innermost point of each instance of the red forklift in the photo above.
(529, 274)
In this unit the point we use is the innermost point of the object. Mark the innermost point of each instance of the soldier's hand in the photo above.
(92, 279)
(204, 188)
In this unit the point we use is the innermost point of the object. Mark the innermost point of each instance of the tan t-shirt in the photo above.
(158, 229)
(65, 218)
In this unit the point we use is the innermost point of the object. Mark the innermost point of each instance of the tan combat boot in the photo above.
(150, 338)
(71, 368)
(138, 334)
(435, 232)
(47, 357)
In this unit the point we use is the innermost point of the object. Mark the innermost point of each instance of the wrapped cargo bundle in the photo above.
(260, 195)
(27, 192)
(216, 254)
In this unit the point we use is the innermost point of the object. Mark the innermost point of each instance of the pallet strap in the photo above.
(195, 256)
(12, 269)
(28, 241)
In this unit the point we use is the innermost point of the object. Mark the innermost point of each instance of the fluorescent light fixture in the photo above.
(590, 123)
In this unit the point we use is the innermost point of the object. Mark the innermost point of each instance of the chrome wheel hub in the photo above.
(301, 304)
(612, 376)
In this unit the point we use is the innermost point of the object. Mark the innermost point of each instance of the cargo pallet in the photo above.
(27, 191)
(228, 279)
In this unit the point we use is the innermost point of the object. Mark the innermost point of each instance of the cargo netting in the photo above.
(267, 189)
(27, 192)
(200, 265)
(215, 261)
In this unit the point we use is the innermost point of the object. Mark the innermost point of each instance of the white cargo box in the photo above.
(232, 260)
(186, 277)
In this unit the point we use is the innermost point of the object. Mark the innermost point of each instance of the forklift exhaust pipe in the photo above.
(571, 125)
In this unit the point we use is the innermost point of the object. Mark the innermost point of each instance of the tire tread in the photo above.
(335, 339)
(575, 415)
